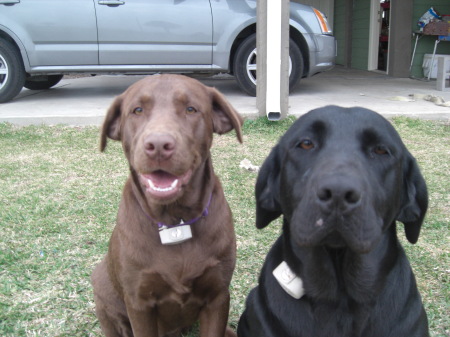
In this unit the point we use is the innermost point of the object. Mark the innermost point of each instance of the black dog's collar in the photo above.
(287, 279)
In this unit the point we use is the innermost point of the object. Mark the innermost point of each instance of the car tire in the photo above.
(244, 65)
(12, 72)
(42, 82)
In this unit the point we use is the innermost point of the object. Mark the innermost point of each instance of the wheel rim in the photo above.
(3, 72)
(251, 66)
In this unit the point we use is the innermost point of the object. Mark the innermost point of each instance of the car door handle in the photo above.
(111, 3)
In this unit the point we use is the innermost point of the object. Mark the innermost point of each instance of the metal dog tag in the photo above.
(175, 235)
(290, 282)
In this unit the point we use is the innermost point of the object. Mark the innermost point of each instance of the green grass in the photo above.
(58, 202)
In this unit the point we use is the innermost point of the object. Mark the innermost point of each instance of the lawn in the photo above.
(58, 202)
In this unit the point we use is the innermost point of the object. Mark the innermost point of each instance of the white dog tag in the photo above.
(175, 235)
(290, 282)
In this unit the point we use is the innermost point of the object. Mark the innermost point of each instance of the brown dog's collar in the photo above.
(162, 225)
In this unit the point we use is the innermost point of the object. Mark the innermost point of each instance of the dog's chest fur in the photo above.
(174, 289)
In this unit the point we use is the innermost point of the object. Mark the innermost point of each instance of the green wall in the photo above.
(339, 30)
(360, 34)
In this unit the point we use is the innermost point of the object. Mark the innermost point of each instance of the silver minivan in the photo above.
(41, 40)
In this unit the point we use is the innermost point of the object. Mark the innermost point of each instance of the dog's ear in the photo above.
(414, 199)
(267, 190)
(111, 124)
(225, 117)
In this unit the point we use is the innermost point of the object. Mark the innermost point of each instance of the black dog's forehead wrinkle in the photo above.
(345, 123)
(370, 136)
(316, 131)
(340, 116)
(321, 130)
(382, 135)
(318, 126)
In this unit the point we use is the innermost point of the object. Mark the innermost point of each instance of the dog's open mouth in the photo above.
(164, 185)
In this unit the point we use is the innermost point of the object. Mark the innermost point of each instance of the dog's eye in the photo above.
(380, 150)
(306, 144)
(138, 111)
(191, 110)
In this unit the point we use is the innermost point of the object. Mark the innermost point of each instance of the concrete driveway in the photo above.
(83, 101)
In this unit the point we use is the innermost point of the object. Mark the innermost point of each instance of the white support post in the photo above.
(273, 88)
(273, 58)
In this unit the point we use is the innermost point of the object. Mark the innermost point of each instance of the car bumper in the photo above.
(324, 56)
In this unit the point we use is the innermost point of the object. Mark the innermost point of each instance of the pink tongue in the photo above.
(161, 179)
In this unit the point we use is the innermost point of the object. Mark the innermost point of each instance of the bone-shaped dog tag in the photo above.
(290, 282)
(175, 235)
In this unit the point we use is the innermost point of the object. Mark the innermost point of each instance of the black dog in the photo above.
(340, 177)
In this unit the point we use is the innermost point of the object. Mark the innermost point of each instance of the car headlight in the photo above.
(323, 22)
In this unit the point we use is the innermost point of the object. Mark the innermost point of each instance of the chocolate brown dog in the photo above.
(341, 178)
(172, 252)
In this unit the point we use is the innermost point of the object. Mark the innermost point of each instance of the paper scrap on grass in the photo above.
(247, 165)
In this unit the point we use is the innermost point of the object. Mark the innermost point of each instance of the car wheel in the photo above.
(12, 72)
(244, 65)
(42, 82)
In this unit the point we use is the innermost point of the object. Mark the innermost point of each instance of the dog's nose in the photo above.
(341, 194)
(159, 145)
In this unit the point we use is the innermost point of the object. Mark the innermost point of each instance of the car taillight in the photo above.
(324, 26)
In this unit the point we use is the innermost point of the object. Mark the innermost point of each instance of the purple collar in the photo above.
(162, 225)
